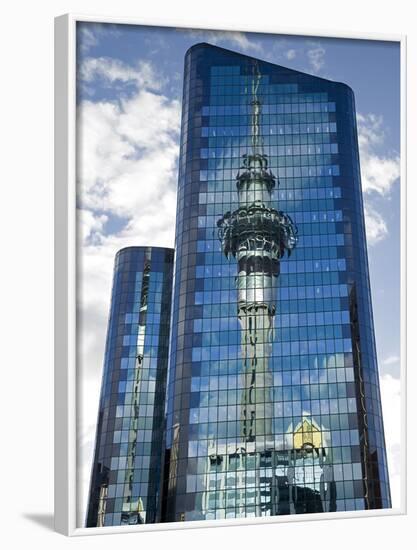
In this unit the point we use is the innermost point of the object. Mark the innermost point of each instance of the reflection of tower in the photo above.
(257, 236)
(132, 510)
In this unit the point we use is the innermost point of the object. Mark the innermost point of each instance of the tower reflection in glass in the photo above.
(258, 236)
(263, 419)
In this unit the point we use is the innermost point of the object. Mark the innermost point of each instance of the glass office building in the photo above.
(128, 459)
(273, 400)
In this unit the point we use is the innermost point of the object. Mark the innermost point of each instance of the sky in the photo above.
(129, 87)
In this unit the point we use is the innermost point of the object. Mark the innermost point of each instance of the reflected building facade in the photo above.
(273, 403)
(128, 459)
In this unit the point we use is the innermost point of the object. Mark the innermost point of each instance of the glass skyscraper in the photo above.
(273, 399)
(272, 403)
(128, 459)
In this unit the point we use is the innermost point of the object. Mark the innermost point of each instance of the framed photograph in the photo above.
(230, 285)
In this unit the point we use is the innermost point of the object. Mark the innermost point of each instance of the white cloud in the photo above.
(376, 228)
(241, 40)
(391, 360)
(371, 132)
(279, 50)
(127, 152)
(233, 38)
(315, 55)
(379, 172)
(110, 70)
(86, 38)
(90, 34)
(127, 159)
(290, 54)
(90, 225)
(391, 405)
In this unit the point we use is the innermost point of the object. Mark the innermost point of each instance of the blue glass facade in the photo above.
(316, 440)
(126, 475)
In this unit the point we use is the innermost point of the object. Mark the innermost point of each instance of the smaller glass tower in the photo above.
(125, 481)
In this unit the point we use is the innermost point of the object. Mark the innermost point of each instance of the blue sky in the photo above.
(128, 98)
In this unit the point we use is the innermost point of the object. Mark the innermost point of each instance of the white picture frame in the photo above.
(66, 280)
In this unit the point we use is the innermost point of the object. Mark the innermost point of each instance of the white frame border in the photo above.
(65, 491)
